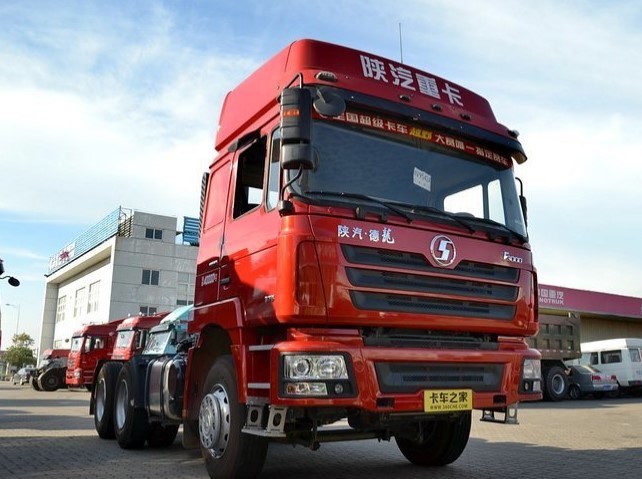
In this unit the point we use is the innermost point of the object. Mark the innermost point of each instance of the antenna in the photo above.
(400, 43)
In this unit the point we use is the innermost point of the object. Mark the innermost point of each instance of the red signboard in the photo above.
(567, 299)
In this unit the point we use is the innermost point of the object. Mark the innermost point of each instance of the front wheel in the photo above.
(104, 399)
(130, 423)
(227, 451)
(35, 384)
(443, 442)
(50, 380)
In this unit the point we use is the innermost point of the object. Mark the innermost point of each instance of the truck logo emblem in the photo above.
(443, 250)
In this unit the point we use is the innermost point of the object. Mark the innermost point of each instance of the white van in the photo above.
(621, 357)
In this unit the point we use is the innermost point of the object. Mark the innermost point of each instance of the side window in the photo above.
(610, 357)
(274, 171)
(594, 358)
(250, 171)
(635, 355)
(217, 196)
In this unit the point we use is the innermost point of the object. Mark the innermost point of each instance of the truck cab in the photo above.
(91, 346)
(130, 403)
(363, 255)
(131, 335)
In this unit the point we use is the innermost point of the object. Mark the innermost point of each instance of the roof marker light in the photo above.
(326, 76)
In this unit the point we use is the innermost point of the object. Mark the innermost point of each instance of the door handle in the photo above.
(225, 281)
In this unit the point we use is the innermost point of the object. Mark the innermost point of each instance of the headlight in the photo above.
(305, 367)
(532, 369)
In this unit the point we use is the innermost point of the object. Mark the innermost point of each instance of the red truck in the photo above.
(90, 347)
(131, 336)
(363, 257)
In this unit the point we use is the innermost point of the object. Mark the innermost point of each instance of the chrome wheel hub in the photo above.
(214, 421)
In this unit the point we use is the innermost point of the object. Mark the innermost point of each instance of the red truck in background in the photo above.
(90, 347)
(363, 256)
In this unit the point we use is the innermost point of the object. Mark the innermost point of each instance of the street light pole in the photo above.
(18, 319)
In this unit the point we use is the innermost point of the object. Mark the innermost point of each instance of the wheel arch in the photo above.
(213, 342)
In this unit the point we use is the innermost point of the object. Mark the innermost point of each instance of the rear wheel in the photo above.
(555, 384)
(104, 399)
(161, 436)
(130, 423)
(443, 442)
(227, 451)
(574, 391)
(50, 380)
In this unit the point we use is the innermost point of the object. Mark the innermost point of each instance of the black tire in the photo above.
(50, 380)
(130, 423)
(228, 452)
(555, 384)
(574, 392)
(104, 399)
(443, 443)
(161, 436)
(35, 384)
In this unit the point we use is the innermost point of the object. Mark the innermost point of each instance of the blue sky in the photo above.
(116, 103)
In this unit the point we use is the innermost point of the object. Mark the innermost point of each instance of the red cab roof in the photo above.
(356, 71)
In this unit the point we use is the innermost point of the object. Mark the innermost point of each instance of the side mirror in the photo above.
(296, 129)
(522, 202)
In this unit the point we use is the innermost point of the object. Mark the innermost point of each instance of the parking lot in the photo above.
(52, 435)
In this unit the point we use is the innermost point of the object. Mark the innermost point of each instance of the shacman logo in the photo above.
(443, 250)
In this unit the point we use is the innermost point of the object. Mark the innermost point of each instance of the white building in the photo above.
(128, 263)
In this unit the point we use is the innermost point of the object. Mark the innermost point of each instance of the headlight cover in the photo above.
(303, 367)
(532, 369)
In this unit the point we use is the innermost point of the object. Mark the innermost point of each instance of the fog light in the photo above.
(306, 389)
(338, 388)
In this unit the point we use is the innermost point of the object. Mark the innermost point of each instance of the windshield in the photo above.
(413, 171)
(159, 343)
(124, 339)
(76, 343)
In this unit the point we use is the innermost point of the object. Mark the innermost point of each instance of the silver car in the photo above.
(585, 380)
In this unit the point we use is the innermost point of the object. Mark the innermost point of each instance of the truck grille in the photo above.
(413, 377)
(475, 288)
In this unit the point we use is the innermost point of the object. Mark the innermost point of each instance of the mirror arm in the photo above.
(286, 206)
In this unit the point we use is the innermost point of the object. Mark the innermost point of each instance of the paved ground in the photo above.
(51, 435)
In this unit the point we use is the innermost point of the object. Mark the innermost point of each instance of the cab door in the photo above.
(209, 254)
(248, 253)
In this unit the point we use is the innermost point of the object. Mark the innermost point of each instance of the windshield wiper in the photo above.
(496, 224)
(359, 196)
(443, 214)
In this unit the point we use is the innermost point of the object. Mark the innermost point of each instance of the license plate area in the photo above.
(448, 400)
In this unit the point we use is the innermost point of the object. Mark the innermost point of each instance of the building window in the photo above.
(153, 233)
(150, 276)
(79, 302)
(57, 344)
(185, 288)
(60, 309)
(148, 310)
(92, 300)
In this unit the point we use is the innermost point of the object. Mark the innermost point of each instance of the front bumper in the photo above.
(390, 379)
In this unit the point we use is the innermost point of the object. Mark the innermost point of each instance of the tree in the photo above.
(20, 353)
